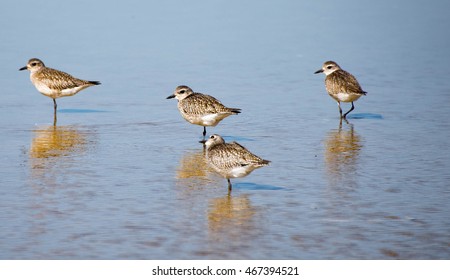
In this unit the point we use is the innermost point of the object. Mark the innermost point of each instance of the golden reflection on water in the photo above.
(342, 148)
(193, 169)
(56, 141)
(53, 152)
(232, 219)
(192, 164)
(230, 216)
(53, 144)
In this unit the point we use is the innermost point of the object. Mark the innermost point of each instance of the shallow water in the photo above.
(122, 175)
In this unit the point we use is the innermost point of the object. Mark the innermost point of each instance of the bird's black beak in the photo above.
(202, 141)
(318, 71)
(23, 68)
(171, 96)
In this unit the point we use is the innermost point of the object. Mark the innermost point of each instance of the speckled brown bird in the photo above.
(201, 109)
(54, 83)
(341, 85)
(231, 160)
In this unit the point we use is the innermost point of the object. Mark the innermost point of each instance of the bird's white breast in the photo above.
(71, 91)
(346, 97)
(241, 171)
(210, 119)
(44, 89)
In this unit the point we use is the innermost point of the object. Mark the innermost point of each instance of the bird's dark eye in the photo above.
(182, 91)
(212, 137)
(33, 64)
(329, 67)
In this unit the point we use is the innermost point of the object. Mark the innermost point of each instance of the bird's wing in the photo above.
(342, 81)
(58, 80)
(199, 104)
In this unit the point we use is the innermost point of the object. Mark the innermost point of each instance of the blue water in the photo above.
(122, 175)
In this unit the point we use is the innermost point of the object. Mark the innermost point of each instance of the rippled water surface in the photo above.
(122, 175)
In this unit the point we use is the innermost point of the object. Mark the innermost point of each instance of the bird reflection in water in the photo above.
(54, 145)
(193, 171)
(54, 163)
(342, 148)
(231, 217)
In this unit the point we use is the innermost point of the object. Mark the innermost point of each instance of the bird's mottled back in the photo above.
(342, 81)
(202, 104)
(58, 80)
(230, 155)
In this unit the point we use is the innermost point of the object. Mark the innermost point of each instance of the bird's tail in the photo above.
(264, 162)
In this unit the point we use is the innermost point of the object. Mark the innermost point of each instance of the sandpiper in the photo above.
(201, 109)
(341, 85)
(54, 83)
(231, 160)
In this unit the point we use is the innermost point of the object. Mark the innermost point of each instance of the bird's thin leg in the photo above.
(229, 185)
(351, 109)
(54, 112)
(340, 110)
(204, 132)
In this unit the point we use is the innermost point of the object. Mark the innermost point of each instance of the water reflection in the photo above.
(193, 170)
(53, 147)
(231, 217)
(56, 141)
(342, 148)
(55, 175)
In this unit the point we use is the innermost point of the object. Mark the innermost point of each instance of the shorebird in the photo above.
(54, 83)
(231, 160)
(341, 85)
(201, 109)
